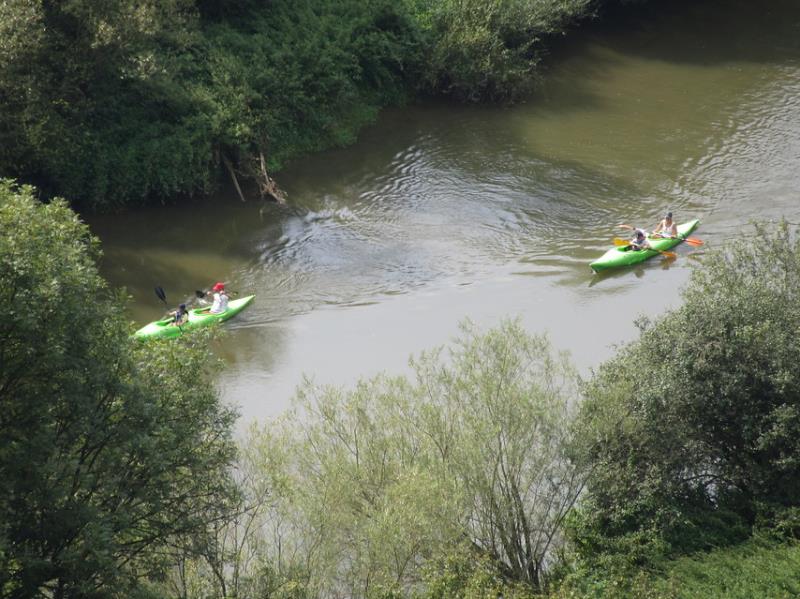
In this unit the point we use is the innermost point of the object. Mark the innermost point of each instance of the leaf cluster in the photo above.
(112, 450)
(695, 428)
(118, 103)
(489, 50)
(475, 450)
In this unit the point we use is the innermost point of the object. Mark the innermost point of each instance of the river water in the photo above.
(441, 213)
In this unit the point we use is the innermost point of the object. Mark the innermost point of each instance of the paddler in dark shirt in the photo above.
(180, 316)
(639, 240)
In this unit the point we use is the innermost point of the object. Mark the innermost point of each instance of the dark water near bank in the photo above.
(443, 212)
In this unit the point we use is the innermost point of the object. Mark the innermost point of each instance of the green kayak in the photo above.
(624, 256)
(199, 317)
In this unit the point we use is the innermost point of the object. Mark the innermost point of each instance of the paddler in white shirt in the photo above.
(667, 227)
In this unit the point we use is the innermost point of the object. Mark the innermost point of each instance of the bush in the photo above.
(490, 49)
(696, 425)
(147, 98)
(112, 450)
(114, 104)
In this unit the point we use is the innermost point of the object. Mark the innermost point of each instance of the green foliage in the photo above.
(695, 426)
(756, 568)
(490, 49)
(111, 449)
(118, 103)
(87, 109)
(299, 76)
(371, 484)
(233, 559)
(464, 573)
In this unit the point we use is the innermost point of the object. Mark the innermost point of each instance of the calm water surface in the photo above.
(441, 213)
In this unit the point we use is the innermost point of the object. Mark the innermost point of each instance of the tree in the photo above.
(91, 108)
(120, 102)
(507, 401)
(244, 553)
(696, 426)
(474, 452)
(490, 49)
(112, 449)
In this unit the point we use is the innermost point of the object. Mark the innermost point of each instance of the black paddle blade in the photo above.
(161, 295)
(200, 294)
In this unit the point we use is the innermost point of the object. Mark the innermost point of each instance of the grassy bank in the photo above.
(754, 569)
(757, 568)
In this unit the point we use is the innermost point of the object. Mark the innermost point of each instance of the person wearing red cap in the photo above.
(220, 303)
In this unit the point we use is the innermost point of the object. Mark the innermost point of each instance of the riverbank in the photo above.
(442, 212)
(576, 487)
(155, 102)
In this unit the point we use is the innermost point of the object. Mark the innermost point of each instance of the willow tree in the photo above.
(113, 451)
(473, 452)
(509, 401)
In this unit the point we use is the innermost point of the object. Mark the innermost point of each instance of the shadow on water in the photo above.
(685, 32)
(637, 270)
(709, 32)
(722, 31)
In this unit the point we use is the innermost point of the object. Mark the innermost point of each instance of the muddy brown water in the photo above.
(441, 213)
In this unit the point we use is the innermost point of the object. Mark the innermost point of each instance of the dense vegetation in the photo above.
(371, 488)
(698, 433)
(113, 454)
(756, 568)
(493, 469)
(760, 567)
(113, 104)
(475, 477)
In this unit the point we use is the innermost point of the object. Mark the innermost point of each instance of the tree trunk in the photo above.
(232, 173)
(267, 184)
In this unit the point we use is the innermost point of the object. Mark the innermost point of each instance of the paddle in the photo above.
(690, 240)
(621, 242)
(693, 241)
